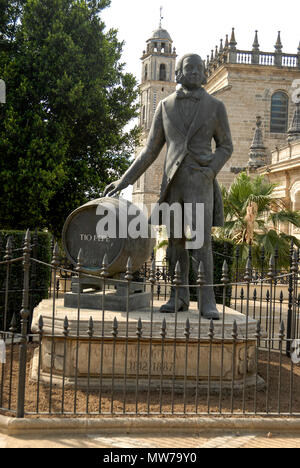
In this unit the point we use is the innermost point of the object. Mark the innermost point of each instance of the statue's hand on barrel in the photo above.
(115, 187)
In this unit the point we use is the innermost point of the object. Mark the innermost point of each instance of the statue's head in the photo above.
(190, 71)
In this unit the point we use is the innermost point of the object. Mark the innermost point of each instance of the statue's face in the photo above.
(192, 71)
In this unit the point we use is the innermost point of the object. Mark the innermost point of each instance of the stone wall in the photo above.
(246, 91)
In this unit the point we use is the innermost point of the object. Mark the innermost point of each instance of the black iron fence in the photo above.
(92, 361)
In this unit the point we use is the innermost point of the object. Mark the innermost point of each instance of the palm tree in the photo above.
(252, 217)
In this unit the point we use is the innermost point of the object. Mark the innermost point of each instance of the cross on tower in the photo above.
(161, 17)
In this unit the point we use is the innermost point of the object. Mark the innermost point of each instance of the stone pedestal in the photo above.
(115, 298)
(120, 353)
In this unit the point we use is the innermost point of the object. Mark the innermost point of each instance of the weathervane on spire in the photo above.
(161, 17)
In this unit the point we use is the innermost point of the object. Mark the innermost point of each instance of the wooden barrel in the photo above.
(86, 229)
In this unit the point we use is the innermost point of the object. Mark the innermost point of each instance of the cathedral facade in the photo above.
(252, 84)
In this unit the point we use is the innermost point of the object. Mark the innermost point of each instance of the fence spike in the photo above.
(234, 332)
(26, 245)
(271, 272)
(262, 254)
(152, 278)
(129, 275)
(187, 330)
(177, 277)
(248, 269)
(201, 274)
(104, 270)
(79, 261)
(281, 297)
(258, 330)
(281, 331)
(163, 329)
(27, 236)
(291, 250)
(66, 326)
(139, 328)
(91, 327)
(225, 271)
(211, 329)
(8, 249)
(55, 256)
(13, 324)
(41, 324)
(250, 253)
(294, 268)
(115, 328)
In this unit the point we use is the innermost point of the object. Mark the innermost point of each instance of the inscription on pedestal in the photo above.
(163, 358)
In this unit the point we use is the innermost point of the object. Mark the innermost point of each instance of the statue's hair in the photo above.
(179, 65)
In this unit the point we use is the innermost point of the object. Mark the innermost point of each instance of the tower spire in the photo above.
(257, 149)
(232, 43)
(221, 48)
(255, 46)
(226, 42)
(278, 46)
(160, 17)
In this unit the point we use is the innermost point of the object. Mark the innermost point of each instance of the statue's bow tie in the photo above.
(185, 94)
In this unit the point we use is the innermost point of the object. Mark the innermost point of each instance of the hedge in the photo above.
(39, 274)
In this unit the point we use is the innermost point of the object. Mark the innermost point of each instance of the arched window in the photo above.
(162, 72)
(279, 112)
(146, 73)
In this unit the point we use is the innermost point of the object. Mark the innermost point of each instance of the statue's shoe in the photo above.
(169, 307)
(211, 314)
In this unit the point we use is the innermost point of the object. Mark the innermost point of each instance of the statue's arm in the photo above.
(149, 153)
(222, 137)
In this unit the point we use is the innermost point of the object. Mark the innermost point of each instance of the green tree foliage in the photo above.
(62, 136)
(261, 228)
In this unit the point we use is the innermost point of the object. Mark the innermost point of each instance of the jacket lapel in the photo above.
(172, 109)
(200, 116)
(173, 112)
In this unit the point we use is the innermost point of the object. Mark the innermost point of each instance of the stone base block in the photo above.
(197, 363)
(113, 301)
(137, 358)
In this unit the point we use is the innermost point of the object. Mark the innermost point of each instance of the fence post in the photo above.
(24, 324)
(7, 257)
(290, 304)
(33, 279)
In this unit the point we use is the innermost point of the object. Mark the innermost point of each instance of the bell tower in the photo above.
(157, 82)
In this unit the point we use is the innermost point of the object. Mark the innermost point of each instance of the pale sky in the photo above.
(197, 27)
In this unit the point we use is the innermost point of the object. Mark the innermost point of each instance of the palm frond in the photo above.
(285, 216)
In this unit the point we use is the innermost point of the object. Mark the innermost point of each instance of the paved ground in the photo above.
(235, 440)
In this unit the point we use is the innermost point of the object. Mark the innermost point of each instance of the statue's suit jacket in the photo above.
(210, 122)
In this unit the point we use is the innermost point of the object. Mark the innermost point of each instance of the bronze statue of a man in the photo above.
(187, 121)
